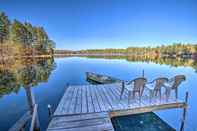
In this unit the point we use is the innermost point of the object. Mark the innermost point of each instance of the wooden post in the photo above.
(32, 106)
(122, 90)
(35, 125)
(30, 98)
(143, 73)
(184, 112)
(49, 110)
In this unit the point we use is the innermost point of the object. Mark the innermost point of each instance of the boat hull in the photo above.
(94, 78)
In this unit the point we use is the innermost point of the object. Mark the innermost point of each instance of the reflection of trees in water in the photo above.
(23, 73)
(8, 79)
(175, 62)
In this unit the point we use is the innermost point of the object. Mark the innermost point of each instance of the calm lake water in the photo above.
(49, 79)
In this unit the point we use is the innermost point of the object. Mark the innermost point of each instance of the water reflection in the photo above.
(28, 72)
(175, 62)
(69, 71)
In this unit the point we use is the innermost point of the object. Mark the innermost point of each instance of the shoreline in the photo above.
(37, 56)
(123, 55)
(96, 55)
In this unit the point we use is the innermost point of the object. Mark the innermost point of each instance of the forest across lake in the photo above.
(171, 51)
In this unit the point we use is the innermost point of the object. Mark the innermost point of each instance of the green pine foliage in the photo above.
(4, 27)
(29, 39)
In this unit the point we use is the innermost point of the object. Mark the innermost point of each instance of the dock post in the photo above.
(37, 124)
(49, 110)
(122, 90)
(184, 112)
(30, 98)
(33, 107)
(143, 73)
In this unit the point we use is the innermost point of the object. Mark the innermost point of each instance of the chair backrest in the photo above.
(178, 79)
(139, 84)
(159, 82)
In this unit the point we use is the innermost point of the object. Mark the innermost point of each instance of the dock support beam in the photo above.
(49, 110)
(143, 73)
(30, 98)
(184, 112)
(35, 125)
(33, 107)
(122, 89)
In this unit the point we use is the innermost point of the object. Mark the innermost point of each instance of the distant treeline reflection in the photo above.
(175, 62)
(17, 73)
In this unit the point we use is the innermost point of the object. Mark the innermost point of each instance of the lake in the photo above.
(46, 79)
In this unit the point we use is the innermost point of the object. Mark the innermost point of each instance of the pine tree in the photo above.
(41, 39)
(18, 32)
(4, 27)
(29, 33)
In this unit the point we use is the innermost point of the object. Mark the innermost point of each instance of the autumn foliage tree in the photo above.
(28, 39)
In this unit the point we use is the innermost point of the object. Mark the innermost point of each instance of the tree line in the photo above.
(17, 38)
(171, 51)
(174, 50)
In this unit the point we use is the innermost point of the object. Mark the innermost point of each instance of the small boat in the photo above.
(100, 79)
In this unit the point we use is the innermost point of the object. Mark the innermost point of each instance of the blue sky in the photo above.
(82, 24)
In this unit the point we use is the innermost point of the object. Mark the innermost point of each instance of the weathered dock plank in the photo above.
(85, 122)
(103, 96)
(78, 106)
(101, 102)
(100, 98)
(117, 98)
(67, 101)
(143, 109)
(89, 107)
(84, 100)
(63, 105)
(21, 122)
(94, 99)
(73, 101)
(107, 98)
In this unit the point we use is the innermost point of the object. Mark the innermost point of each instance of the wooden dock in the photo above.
(90, 107)
(82, 122)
